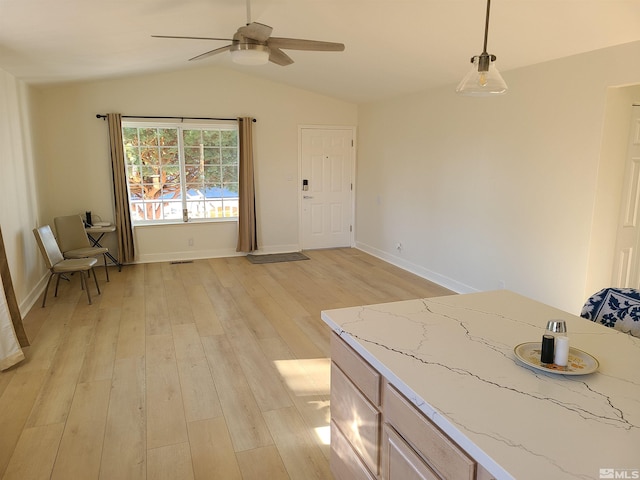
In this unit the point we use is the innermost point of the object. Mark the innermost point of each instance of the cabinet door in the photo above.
(358, 420)
(400, 461)
(345, 463)
(445, 456)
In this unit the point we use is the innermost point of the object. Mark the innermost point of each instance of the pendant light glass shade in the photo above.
(483, 79)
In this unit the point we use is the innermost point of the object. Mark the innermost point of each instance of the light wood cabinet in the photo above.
(364, 376)
(376, 433)
(356, 416)
(429, 442)
(400, 461)
(344, 462)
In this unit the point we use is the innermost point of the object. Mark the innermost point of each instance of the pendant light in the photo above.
(483, 80)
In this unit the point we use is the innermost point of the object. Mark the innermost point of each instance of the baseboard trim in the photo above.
(33, 296)
(425, 273)
(182, 256)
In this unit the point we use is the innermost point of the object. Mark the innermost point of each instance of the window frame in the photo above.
(180, 126)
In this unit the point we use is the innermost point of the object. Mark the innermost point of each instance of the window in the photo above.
(181, 172)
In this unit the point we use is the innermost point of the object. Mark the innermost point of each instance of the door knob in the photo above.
(307, 196)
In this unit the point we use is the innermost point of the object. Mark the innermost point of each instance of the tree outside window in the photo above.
(181, 172)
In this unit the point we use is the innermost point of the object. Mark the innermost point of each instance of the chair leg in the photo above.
(83, 280)
(57, 283)
(96, 280)
(106, 270)
(46, 289)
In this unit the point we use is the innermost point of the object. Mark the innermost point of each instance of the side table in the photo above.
(95, 234)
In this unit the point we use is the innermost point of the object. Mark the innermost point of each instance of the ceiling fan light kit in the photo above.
(483, 80)
(250, 54)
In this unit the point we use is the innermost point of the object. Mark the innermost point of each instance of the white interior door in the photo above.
(326, 187)
(626, 270)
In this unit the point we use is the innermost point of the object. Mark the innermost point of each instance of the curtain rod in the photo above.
(104, 117)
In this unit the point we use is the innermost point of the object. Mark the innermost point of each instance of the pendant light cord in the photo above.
(486, 27)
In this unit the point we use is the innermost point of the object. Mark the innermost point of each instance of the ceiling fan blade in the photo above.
(193, 38)
(256, 31)
(278, 57)
(211, 53)
(300, 44)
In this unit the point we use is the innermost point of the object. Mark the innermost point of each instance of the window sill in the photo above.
(165, 223)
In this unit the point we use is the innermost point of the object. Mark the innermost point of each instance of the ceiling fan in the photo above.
(253, 44)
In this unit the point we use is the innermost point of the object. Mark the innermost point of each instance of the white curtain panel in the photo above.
(10, 351)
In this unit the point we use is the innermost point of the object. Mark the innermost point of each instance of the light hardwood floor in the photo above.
(216, 369)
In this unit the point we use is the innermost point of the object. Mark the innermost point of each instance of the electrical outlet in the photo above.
(190, 242)
(502, 285)
(399, 246)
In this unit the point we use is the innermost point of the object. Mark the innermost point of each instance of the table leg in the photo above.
(95, 242)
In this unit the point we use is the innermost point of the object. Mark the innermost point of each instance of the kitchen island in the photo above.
(452, 360)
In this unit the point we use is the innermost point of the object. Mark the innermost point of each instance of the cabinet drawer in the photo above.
(344, 462)
(363, 375)
(400, 461)
(483, 474)
(426, 438)
(356, 417)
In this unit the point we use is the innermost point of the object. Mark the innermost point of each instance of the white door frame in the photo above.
(351, 128)
(626, 268)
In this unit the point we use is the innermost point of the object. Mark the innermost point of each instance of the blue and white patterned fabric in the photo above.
(618, 308)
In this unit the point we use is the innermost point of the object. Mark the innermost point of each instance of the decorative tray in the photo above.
(580, 363)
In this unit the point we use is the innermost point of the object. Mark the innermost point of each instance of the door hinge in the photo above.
(351, 228)
(352, 142)
(351, 187)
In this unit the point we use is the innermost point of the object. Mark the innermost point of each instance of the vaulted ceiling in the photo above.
(392, 46)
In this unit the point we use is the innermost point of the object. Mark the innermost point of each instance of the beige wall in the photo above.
(73, 158)
(615, 141)
(18, 197)
(485, 193)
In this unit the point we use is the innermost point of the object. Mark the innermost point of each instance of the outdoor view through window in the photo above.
(181, 172)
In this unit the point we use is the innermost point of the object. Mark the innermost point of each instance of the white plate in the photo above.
(580, 363)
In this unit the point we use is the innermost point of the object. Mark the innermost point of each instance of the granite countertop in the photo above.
(454, 358)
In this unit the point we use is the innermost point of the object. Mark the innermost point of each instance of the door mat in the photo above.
(277, 257)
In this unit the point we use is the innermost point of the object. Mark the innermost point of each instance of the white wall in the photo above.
(617, 127)
(73, 155)
(485, 193)
(18, 198)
